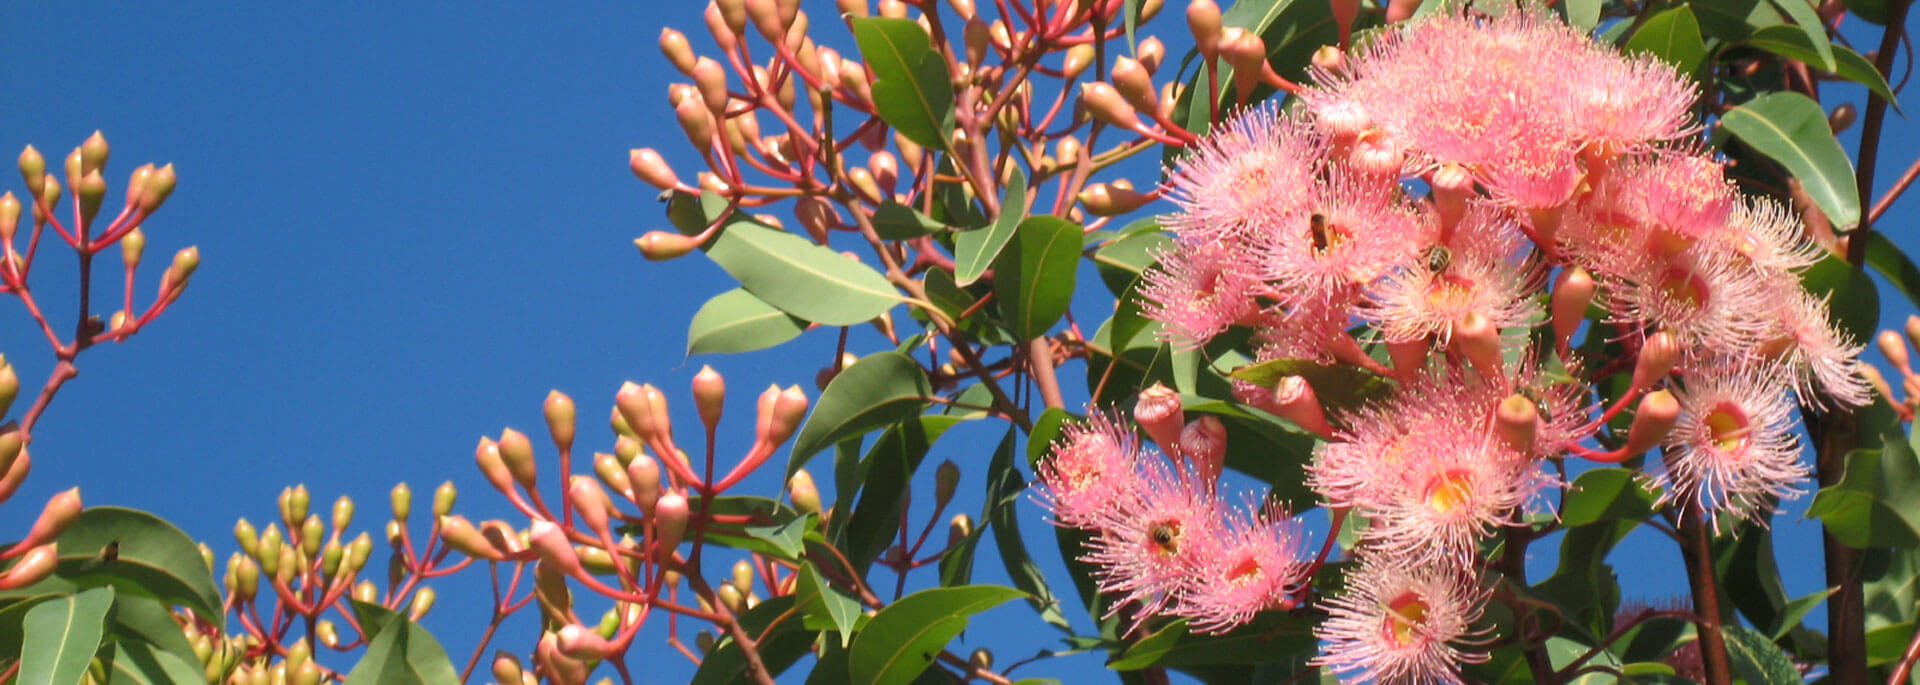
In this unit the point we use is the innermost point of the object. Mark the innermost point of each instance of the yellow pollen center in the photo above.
(1450, 292)
(1727, 427)
(1450, 492)
(1684, 287)
(1404, 615)
(1247, 569)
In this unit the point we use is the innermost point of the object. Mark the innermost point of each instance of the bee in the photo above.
(1165, 537)
(1317, 227)
(110, 553)
(1437, 257)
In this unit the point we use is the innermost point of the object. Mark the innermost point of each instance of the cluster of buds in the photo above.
(1564, 197)
(620, 532)
(1896, 348)
(303, 568)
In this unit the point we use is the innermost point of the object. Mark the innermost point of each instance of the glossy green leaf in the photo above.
(906, 636)
(1853, 302)
(785, 537)
(1796, 611)
(1045, 430)
(1121, 261)
(736, 321)
(1035, 275)
(975, 250)
(1150, 649)
(1791, 129)
(911, 88)
(154, 559)
(1004, 485)
(1813, 28)
(809, 281)
(146, 620)
(1339, 385)
(879, 390)
(1672, 35)
(1582, 14)
(1270, 636)
(1792, 43)
(1606, 494)
(62, 634)
(895, 221)
(1755, 657)
(1855, 516)
(1888, 644)
(826, 608)
(780, 644)
(1874, 11)
(139, 663)
(1893, 264)
(884, 475)
(1734, 20)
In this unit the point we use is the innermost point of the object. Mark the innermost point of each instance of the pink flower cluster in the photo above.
(1444, 211)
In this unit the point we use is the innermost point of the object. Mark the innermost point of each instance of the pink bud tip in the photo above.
(1517, 421)
(580, 642)
(660, 246)
(1477, 340)
(1572, 292)
(550, 543)
(590, 501)
(1159, 413)
(709, 395)
(1205, 443)
(788, 411)
(1294, 400)
(670, 522)
(1657, 413)
(1657, 356)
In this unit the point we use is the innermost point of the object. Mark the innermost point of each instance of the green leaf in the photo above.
(1035, 277)
(975, 250)
(911, 87)
(1888, 644)
(780, 644)
(1673, 36)
(785, 537)
(1340, 385)
(61, 636)
(906, 636)
(895, 221)
(1893, 264)
(809, 281)
(1605, 494)
(1150, 649)
(1853, 302)
(154, 560)
(1045, 430)
(139, 663)
(1796, 611)
(1755, 657)
(1734, 20)
(825, 607)
(147, 621)
(1813, 28)
(1873, 11)
(881, 389)
(1003, 492)
(1855, 515)
(736, 321)
(1122, 260)
(1582, 14)
(1793, 43)
(1792, 129)
(884, 475)
(401, 652)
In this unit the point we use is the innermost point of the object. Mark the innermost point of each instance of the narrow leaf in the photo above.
(1792, 43)
(1035, 277)
(911, 87)
(1673, 36)
(975, 250)
(1815, 30)
(825, 607)
(1004, 485)
(1893, 264)
(61, 636)
(1792, 129)
(906, 636)
(809, 281)
(883, 388)
(153, 559)
(139, 663)
(895, 221)
(736, 321)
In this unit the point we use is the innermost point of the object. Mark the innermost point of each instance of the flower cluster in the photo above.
(1507, 224)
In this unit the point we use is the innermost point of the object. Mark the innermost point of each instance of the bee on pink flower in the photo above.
(1148, 548)
(1091, 469)
(1478, 272)
(1200, 289)
(1401, 622)
(1255, 567)
(1357, 230)
(1251, 174)
(1733, 451)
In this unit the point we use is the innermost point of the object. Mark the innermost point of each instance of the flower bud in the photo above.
(1452, 184)
(9, 216)
(243, 577)
(1479, 342)
(443, 498)
(711, 80)
(1134, 83)
(327, 633)
(1401, 10)
(788, 410)
(10, 445)
(50, 191)
(137, 184)
(550, 543)
(1651, 422)
(298, 500)
(268, 551)
(1105, 104)
(802, 493)
(590, 501)
(506, 668)
(465, 539)
(1102, 199)
(131, 245)
(402, 500)
(422, 603)
(1657, 356)
(246, 536)
(1842, 117)
(17, 471)
(645, 409)
(580, 642)
(1159, 413)
(366, 592)
(184, 263)
(560, 419)
(1076, 60)
(33, 168)
(1203, 19)
(946, 480)
(696, 121)
(1248, 54)
(1204, 442)
(1330, 59)
(1572, 292)
(670, 522)
(674, 45)
(709, 395)
(958, 528)
(91, 189)
(330, 557)
(359, 551)
(650, 167)
(660, 246)
(1516, 420)
(854, 8)
(305, 673)
(516, 451)
(34, 566)
(644, 475)
(1294, 400)
(981, 659)
(93, 153)
(158, 188)
(742, 575)
(312, 533)
(611, 472)
(59, 513)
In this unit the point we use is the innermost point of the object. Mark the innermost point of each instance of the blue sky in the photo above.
(414, 223)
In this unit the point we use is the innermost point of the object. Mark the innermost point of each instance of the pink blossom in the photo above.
(1401, 622)
(1148, 548)
(1481, 273)
(1252, 173)
(1090, 470)
(1733, 451)
(1825, 363)
(1255, 567)
(1200, 289)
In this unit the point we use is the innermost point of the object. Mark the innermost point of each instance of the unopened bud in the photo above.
(1401, 10)
(958, 528)
(590, 501)
(298, 501)
(92, 191)
(401, 497)
(506, 668)
(731, 598)
(1657, 356)
(981, 659)
(788, 411)
(1102, 199)
(268, 551)
(644, 475)
(1476, 339)
(465, 539)
(93, 153)
(650, 167)
(1572, 292)
(443, 498)
(705, 640)
(1517, 421)
(137, 184)
(184, 263)
(550, 543)
(422, 603)
(645, 410)
(365, 591)
(246, 536)
(516, 451)
(709, 395)
(612, 473)
(674, 45)
(696, 120)
(559, 412)
(1842, 117)
(34, 566)
(1248, 54)
(802, 493)
(1105, 104)
(1076, 61)
(670, 522)
(312, 533)
(487, 457)
(1204, 442)
(1134, 83)
(742, 575)
(158, 188)
(1330, 59)
(1293, 399)
(131, 246)
(9, 216)
(1203, 19)
(33, 168)
(1158, 412)
(1651, 422)
(660, 246)
(946, 480)
(244, 578)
